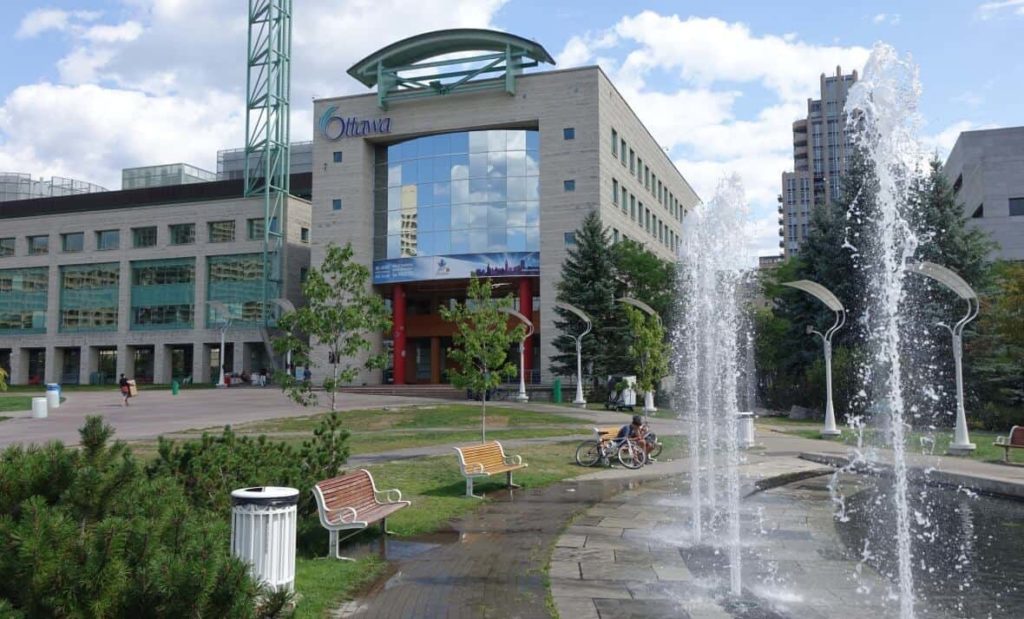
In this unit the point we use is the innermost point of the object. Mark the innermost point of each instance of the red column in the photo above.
(398, 332)
(526, 309)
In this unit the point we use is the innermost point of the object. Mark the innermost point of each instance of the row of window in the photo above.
(649, 180)
(644, 216)
(146, 236)
(162, 294)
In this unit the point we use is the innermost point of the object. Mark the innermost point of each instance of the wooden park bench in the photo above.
(484, 460)
(1015, 440)
(352, 502)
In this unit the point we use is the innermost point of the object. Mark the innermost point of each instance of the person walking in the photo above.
(126, 391)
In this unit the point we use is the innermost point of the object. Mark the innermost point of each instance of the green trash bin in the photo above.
(556, 391)
(174, 387)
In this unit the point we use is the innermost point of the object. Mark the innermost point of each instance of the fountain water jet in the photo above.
(709, 344)
(881, 108)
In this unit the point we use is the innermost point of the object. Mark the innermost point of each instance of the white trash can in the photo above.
(53, 395)
(39, 408)
(263, 523)
(745, 430)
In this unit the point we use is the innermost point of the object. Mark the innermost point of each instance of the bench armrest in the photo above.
(388, 496)
(513, 460)
(476, 467)
(1000, 440)
(346, 511)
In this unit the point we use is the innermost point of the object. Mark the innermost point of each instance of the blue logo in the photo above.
(334, 127)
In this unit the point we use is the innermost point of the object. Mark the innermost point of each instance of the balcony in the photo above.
(780, 209)
(782, 219)
(782, 244)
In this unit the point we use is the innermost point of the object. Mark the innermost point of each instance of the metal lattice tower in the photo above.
(267, 129)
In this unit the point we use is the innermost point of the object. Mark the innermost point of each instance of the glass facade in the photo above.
(163, 294)
(88, 297)
(23, 300)
(237, 282)
(458, 193)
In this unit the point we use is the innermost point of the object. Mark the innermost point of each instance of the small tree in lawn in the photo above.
(340, 312)
(482, 340)
(648, 349)
(3, 379)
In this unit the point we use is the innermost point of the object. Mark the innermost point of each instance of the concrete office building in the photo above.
(98, 284)
(820, 149)
(447, 171)
(986, 169)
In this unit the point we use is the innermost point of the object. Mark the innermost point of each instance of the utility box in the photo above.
(263, 521)
(556, 391)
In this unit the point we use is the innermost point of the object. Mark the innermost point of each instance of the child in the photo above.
(126, 391)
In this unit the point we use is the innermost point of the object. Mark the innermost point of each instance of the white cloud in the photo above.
(893, 19)
(988, 10)
(121, 33)
(44, 20)
(942, 142)
(711, 63)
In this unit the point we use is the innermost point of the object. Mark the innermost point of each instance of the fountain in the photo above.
(709, 355)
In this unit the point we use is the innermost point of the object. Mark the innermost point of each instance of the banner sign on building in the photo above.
(335, 127)
(426, 268)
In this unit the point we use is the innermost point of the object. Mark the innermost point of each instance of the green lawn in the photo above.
(15, 403)
(986, 451)
(322, 584)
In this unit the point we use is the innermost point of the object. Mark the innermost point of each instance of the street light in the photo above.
(521, 397)
(579, 401)
(825, 295)
(222, 310)
(962, 444)
(647, 309)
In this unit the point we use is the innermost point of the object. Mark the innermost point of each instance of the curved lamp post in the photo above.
(647, 309)
(825, 295)
(962, 444)
(521, 397)
(222, 311)
(579, 401)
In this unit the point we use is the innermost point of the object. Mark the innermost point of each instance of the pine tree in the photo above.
(588, 282)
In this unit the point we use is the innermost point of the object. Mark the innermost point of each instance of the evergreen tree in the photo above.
(588, 281)
(646, 277)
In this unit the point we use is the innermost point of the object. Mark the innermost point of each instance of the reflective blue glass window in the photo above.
(474, 191)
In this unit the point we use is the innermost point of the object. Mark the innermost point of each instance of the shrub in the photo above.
(87, 534)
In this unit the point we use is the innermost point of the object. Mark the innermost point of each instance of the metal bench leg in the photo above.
(510, 484)
(469, 489)
(335, 543)
(384, 527)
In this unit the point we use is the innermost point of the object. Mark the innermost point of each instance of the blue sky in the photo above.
(91, 86)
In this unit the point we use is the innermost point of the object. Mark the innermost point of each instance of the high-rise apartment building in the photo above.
(820, 150)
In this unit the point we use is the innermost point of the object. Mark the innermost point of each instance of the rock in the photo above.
(800, 413)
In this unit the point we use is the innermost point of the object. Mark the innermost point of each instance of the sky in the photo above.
(93, 86)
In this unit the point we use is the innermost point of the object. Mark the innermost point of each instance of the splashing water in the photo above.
(709, 343)
(881, 108)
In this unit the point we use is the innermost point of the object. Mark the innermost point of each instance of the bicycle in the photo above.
(629, 452)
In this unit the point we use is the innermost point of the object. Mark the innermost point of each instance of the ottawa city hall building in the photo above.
(454, 168)
(455, 163)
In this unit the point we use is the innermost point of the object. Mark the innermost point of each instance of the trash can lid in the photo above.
(52, 387)
(265, 495)
(744, 414)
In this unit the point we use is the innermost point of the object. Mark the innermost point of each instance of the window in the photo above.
(615, 235)
(337, 156)
(615, 191)
(958, 183)
(304, 235)
(979, 212)
(632, 207)
(641, 169)
(624, 200)
(570, 239)
(72, 242)
(336, 204)
(221, 231)
(632, 162)
(183, 234)
(303, 274)
(1016, 207)
(622, 151)
(144, 237)
(7, 246)
(615, 143)
(38, 245)
(569, 185)
(569, 133)
(108, 239)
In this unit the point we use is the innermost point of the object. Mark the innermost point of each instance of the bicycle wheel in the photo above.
(631, 455)
(656, 451)
(588, 453)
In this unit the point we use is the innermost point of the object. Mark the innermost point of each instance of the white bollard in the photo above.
(39, 408)
(745, 430)
(52, 395)
(263, 521)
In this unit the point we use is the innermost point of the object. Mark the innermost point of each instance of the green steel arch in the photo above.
(406, 69)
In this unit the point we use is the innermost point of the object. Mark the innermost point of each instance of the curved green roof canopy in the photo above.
(499, 53)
